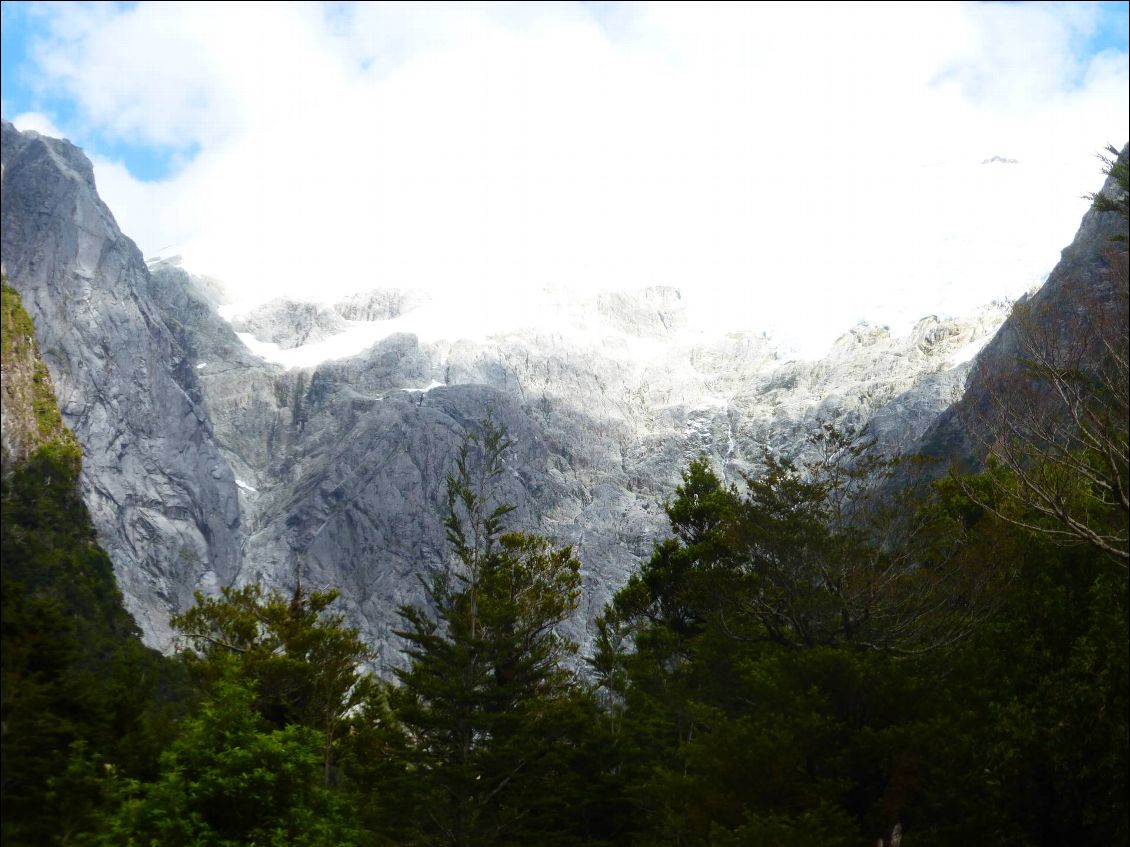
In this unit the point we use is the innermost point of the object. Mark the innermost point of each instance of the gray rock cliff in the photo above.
(160, 493)
(342, 467)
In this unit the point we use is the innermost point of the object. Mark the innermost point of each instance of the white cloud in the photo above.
(37, 122)
(799, 166)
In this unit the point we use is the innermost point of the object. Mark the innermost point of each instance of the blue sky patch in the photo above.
(21, 26)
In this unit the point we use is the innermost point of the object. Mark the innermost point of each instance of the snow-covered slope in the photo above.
(650, 352)
(343, 457)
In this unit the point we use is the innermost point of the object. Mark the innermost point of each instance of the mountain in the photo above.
(207, 463)
(159, 491)
(1067, 322)
(342, 466)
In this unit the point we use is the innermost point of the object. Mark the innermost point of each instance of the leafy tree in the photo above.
(1061, 438)
(232, 779)
(304, 662)
(1033, 713)
(762, 664)
(808, 555)
(1041, 691)
(1058, 429)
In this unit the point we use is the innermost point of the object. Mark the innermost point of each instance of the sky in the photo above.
(791, 168)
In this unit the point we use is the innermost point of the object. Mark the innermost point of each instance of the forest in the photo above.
(843, 648)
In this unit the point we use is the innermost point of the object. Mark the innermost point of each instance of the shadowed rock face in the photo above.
(1081, 289)
(207, 465)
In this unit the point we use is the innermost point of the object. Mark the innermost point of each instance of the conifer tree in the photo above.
(485, 707)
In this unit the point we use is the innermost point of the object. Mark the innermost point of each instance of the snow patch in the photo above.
(556, 318)
(430, 386)
(969, 351)
(245, 486)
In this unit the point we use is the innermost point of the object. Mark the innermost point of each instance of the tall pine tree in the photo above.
(488, 716)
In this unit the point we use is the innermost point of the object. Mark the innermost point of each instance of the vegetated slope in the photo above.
(77, 681)
(30, 418)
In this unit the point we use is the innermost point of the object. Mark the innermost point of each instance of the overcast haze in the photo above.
(793, 168)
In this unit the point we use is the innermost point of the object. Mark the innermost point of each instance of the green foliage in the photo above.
(772, 673)
(232, 779)
(1118, 166)
(804, 556)
(17, 344)
(802, 661)
(14, 321)
(1038, 702)
(749, 709)
(303, 661)
(78, 688)
(737, 704)
(487, 721)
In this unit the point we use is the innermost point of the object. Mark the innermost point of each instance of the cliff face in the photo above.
(207, 464)
(159, 492)
(342, 465)
(77, 680)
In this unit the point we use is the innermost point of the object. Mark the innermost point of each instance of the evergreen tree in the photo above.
(488, 718)
(752, 660)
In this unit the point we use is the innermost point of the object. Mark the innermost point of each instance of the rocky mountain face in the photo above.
(342, 467)
(207, 464)
(160, 492)
(291, 325)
